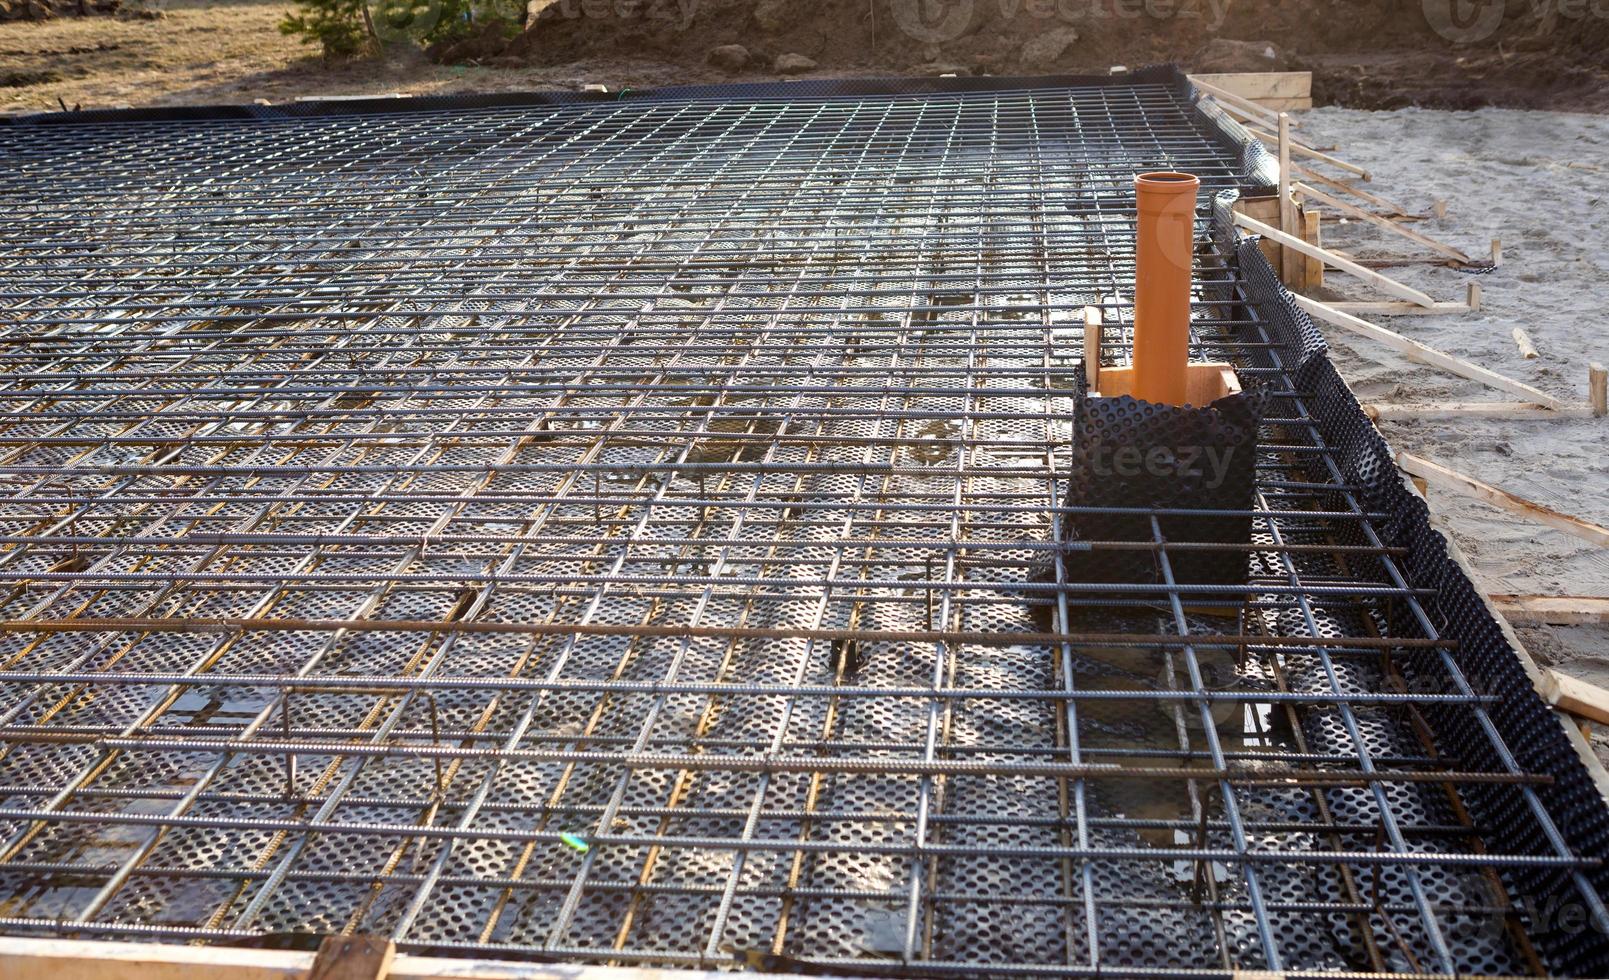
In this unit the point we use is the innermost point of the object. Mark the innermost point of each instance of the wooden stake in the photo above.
(1599, 381)
(1375, 279)
(1428, 355)
(1497, 252)
(1449, 479)
(1527, 349)
(1289, 268)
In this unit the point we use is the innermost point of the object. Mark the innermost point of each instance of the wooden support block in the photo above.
(1262, 86)
(1475, 295)
(1575, 697)
(1467, 485)
(1541, 610)
(1527, 348)
(353, 958)
(1265, 209)
(1427, 354)
(1497, 252)
(1204, 383)
(1230, 100)
(1598, 378)
(1313, 234)
(1383, 283)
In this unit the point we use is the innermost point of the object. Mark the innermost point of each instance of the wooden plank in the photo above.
(1379, 222)
(1232, 101)
(1396, 308)
(1440, 476)
(1518, 411)
(353, 958)
(70, 959)
(1563, 610)
(1576, 697)
(1381, 282)
(60, 959)
(1389, 308)
(1428, 355)
(1303, 150)
(1527, 347)
(1345, 188)
(1258, 85)
(1598, 378)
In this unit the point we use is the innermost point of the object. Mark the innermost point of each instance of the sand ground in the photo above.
(1540, 182)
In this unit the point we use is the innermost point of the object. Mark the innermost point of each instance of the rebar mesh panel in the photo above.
(626, 532)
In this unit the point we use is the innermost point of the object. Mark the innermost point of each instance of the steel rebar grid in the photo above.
(390, 499)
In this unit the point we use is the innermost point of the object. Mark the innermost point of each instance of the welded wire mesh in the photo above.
(627, 532)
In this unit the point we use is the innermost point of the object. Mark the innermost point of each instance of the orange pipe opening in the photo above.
(1165, 250)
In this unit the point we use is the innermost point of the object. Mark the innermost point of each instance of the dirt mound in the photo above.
(1514, 53)
(46, 9)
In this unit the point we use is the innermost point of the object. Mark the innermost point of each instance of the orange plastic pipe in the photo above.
(1165, 249)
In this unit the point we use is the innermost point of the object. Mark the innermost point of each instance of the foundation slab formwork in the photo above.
(625, 530)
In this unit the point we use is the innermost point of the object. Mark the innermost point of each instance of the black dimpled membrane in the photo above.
(1131, 453)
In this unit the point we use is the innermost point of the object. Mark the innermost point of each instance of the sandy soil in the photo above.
(1540, 181)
